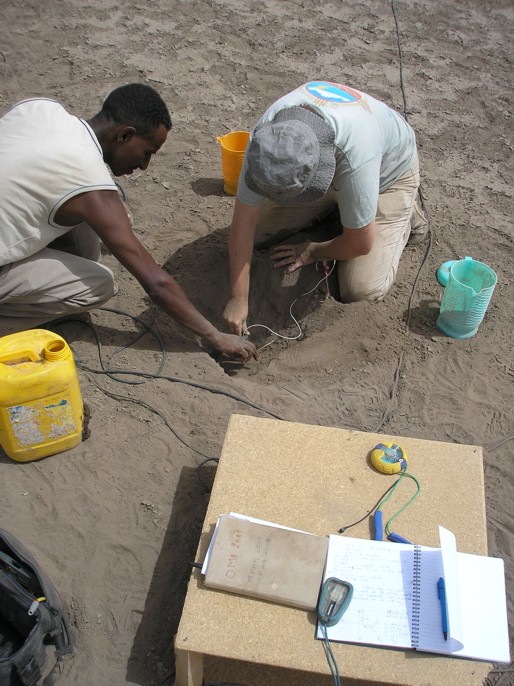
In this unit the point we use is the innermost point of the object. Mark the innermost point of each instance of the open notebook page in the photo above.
(381, 610)
(485, 633)
(381, 573)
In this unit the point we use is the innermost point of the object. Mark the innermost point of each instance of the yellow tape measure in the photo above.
(388, 458)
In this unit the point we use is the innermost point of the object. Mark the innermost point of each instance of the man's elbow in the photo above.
(159, 286)
(359, 242)
(362, 249)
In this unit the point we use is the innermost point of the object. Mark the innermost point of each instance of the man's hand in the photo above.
(236, 347)
(292, 256)
(235, 315)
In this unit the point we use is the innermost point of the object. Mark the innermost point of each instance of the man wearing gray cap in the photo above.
(324, 146)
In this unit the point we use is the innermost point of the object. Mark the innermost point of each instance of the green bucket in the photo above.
(469, 285)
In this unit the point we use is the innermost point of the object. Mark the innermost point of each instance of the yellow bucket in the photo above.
(41, 408)
(233, 146)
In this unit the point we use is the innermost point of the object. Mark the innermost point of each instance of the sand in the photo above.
(115, 521)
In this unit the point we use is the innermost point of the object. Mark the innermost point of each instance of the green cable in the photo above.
(393, 489)
(332, 663)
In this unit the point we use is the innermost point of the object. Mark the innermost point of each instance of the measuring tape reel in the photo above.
(388, 458)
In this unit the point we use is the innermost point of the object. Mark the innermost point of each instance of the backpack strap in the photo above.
(62, 641)
(30, 673)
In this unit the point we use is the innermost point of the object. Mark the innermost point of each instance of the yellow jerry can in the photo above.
(41, 408)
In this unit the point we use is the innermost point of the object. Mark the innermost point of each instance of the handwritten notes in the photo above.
(395, 601)
(382, 577)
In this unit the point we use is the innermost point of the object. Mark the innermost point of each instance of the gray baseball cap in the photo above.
(291, 159)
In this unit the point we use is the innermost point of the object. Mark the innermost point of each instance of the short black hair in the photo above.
(139, 106)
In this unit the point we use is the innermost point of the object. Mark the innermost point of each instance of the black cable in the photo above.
(115, 396)
(112, 373)
(187, 382)
(148, 327)
(128, 398)
(400, 55)
(420, 190)
(499, 444)
(418, 275)
(199, 472)
(349, 526)
(396, 381)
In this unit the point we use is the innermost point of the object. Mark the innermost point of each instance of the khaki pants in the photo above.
(370, 276)
(62, 279)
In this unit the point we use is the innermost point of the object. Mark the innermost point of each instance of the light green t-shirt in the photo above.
(374, 146)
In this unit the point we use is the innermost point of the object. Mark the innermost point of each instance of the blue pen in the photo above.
(441, 592)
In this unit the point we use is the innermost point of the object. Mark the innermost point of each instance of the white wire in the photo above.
(300, 332)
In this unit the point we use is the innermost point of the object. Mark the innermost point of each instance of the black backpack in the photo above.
(34, 632)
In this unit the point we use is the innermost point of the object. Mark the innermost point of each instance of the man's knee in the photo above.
(105, 291)
(103, 295)
(355, 290)
(97, 289)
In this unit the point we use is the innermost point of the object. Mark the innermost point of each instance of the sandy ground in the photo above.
(115, 520)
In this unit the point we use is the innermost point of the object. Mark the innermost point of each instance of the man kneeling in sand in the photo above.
(58, 201)
(320, 147)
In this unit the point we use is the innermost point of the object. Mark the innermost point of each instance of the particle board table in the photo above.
(319, 479)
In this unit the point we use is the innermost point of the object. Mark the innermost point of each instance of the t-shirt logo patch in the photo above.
(325, 92)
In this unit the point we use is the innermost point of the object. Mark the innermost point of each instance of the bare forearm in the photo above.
(350, 244)
(169, 296)
(240, 246)
(107, 216)
(336, 249)
(240, 258)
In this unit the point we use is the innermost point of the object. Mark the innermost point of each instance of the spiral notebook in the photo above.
(396, 604)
